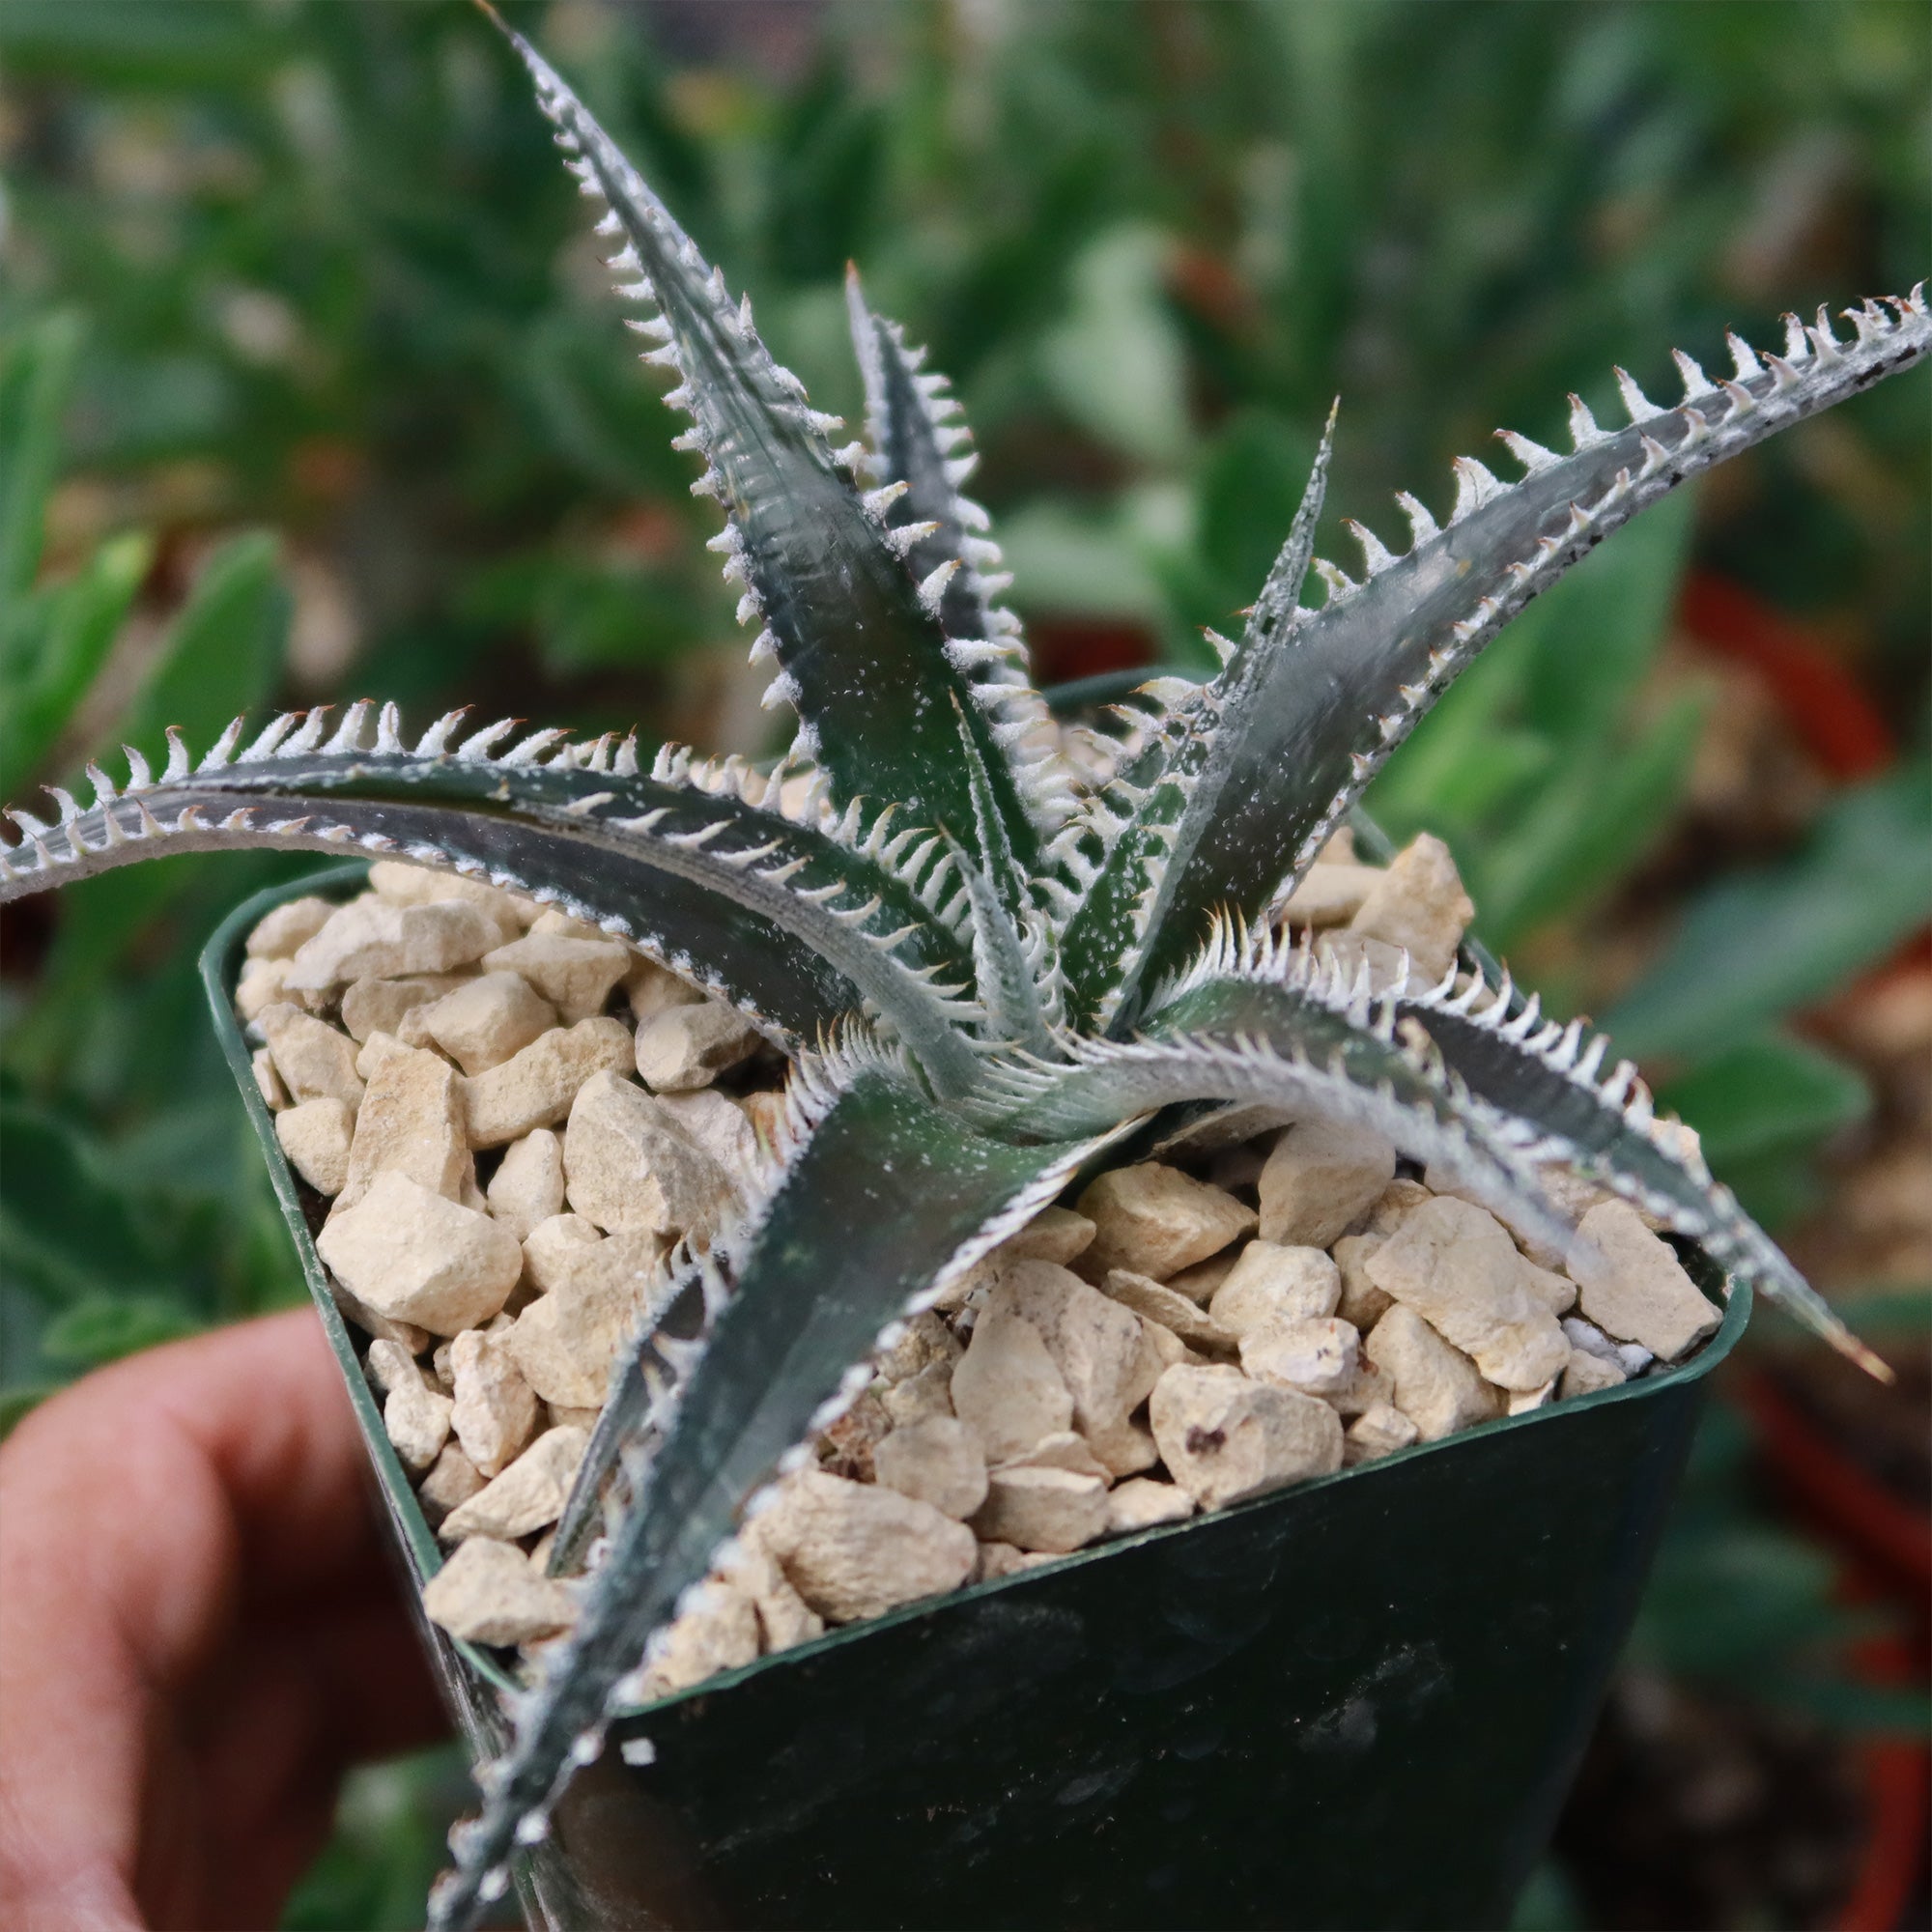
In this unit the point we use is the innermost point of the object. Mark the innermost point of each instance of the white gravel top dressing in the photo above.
(515, 1117)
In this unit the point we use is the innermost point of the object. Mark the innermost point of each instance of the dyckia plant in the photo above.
(987, 962)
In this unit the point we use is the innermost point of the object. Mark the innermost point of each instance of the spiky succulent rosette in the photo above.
(986, 966)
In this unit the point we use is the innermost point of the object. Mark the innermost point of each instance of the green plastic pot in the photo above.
(1358, 1702)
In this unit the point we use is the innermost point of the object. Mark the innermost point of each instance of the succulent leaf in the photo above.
(920, 453)
(1113, 859)
(1176, 789)
(858, 656)
(1551, 1076)
(795, 928)
(636, 1413)
(885, 1200)
(1350, 681)
(1274, 610)
(1017, 984)
(1276, 1042)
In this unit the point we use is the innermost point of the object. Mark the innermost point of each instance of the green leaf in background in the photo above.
(1466, 763)
(389, 1824)
(586, 614)
(1246, 490)
(221, 656)
(1533, 767)
(1601, 808)
(1761, 944)
(103, 1328)
(1116, 363)
(595, 412)
(156, 43)
(86, 1275)
(1548, 1903)
(52, 645)
(1886, 1311)
(223, 653)
(1097, 565)
(1595, 636)
(1735, 1599)
(35, 375)
(1762, 1109)
(1764, 1096)
(1870, 1710)
(824, 179)
(68, 1233)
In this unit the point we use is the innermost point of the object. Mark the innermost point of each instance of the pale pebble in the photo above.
(688, 1047)
(482, 1022)
(1319, 1176)
(1437, 1387)
(314, 1061)
(854, 1550)
(1155, 1220)
(414, 1257)
(1378, 1432)
(527, 1187)
(1007, 1387)
(371, 938)
(535, 1087)
(290, 926)
(1272, 1284)
(528, 1494)
(1418, 904)
(1316, 1355)
(628, 1165)
(1224, 1437)
(380, 1005)
(937, 1461)
(488, 1593)
(1631, 1284)
(1455, 1264)
(718, 1631)
(547, 1246)
(315, 1135)
(411, 1123)
(1174, 1312)
(575, 975)
(1042, 1507)
(1139, 1503)
(267, 1082)
(496, 1409)
(567, 1341)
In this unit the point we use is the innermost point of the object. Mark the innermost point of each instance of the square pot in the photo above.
(1355, 1702)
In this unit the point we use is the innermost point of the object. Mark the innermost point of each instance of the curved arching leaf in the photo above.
(1551, 1076)
(795, 928)
(1287, 1036)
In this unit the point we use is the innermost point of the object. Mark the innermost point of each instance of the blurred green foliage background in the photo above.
(309, 387)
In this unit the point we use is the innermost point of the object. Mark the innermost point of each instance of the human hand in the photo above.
(199, 1633)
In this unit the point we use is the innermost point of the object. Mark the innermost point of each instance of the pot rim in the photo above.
(424, 1554)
